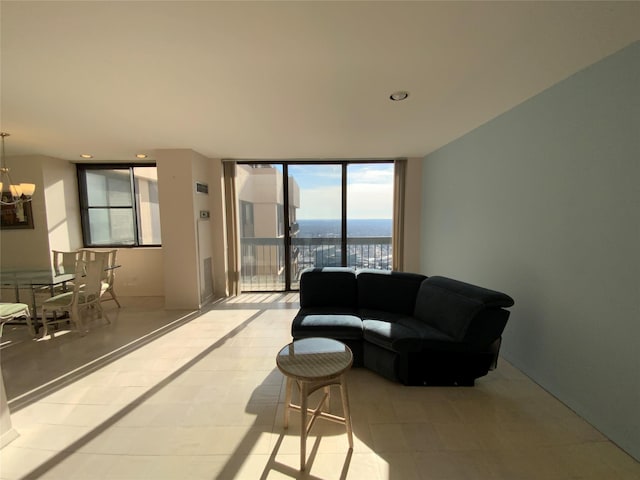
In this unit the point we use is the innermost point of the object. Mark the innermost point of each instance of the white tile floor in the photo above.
(155, 395)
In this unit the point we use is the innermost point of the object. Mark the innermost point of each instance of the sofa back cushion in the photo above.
(450, 305)
(387, 291)
(328, 287)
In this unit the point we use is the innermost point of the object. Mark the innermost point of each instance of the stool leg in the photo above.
(303, 424)
(345, 407)
(287, 402)
(326, 406)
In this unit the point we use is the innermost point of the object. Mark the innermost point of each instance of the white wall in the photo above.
(27, 247)
(543, 203)
(217, 225)
(55, 210)
(186, 239)
(204, 241)
(60, 183)
(176, 194)
(141, 272)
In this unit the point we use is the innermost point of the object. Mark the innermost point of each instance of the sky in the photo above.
(369, 190)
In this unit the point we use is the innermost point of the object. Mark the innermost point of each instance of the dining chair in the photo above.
(11, 311)
(109, 274)
(85, 293)
(64, 262)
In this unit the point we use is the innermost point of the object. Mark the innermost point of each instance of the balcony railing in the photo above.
(263, 259)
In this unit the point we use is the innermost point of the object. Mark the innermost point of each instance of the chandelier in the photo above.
(12, 193)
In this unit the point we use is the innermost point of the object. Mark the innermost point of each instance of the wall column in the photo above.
(176, 191)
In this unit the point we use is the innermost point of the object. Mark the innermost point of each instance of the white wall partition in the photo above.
(192, 248)
(178, 217)
(543, 203)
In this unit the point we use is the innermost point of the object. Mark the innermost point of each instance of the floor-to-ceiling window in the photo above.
(295, 215)
(369, 215)
(318, 199)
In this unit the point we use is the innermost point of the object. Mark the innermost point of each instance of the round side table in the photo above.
(314, 363)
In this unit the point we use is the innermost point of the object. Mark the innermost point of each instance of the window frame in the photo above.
(81, 170)
(344, 165)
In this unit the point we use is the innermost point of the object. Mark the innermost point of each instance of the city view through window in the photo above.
(337, 214)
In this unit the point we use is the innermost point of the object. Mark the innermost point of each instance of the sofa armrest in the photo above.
(451, 306)
(486, 327)
(485, 296)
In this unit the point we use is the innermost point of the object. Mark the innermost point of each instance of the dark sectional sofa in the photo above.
(405, 326)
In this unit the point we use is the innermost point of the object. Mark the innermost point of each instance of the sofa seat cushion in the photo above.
(427, 333)
(391, 336)
(404, 336)
(327, 325)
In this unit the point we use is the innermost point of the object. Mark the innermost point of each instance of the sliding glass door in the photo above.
(296, 215)
(317, 234)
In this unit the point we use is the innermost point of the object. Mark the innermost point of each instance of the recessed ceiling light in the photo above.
(86, 155)
(141, 155)
(397, 96)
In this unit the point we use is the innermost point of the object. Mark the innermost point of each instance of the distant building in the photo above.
(261, 219)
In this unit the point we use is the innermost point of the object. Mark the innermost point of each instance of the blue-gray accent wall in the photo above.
(543, 203)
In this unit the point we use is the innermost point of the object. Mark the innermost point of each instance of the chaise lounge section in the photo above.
(406, 327)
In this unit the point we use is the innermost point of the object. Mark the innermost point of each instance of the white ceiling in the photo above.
(270, 80)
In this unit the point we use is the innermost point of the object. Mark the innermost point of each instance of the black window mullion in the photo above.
(343, 237)
(287, 227)
(84, 213)
(134, 204)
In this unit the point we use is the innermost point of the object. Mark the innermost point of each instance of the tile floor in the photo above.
(182, 395)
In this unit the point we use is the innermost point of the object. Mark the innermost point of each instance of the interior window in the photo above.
(119, 205)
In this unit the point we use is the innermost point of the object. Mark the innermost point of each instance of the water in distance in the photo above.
(314, 228)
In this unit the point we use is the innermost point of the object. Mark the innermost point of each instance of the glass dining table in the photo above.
(33, 279)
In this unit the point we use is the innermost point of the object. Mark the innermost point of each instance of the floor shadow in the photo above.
(32, 368)
(274, 465)
(45, 467)
(236, 460)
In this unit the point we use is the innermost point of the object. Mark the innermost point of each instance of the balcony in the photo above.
(263, 259)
